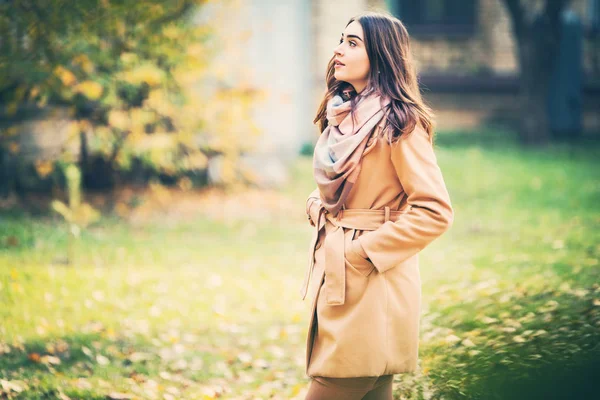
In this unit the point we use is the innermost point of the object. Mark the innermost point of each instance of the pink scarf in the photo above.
(340, 147)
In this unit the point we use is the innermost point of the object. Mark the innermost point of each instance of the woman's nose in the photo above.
(337, 50)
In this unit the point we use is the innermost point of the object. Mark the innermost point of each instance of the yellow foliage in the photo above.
(11, 108)
(172, 32)
(121, 209)
(196, 50)
(129, 58)
(148, 73)
(157, 100)
(103, 133)
(62, 209)
(224, 118)
(44, 167)
(34, 92)
(160, 193)
(249, 175)
(197, 160)
(85, 214)
(185, 183)
(11, 131)
(157, 9)
(42, 101)
(13, 147)
(140, 117)
(168, 169)
(228, 171)
(81, 216)
(85, 125)
(158, 157)
(73, 129)
(119, 119)
(185, 78)
(122, 160)
(65, 76)
(136, 139)
(20, 93)
(84, 62)
(121, 28)
(90, 89)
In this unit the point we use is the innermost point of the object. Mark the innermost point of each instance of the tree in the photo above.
(537, 34)
(134, 77)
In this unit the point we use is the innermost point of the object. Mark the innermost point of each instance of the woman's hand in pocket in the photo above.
(357, 247)
(358, 258)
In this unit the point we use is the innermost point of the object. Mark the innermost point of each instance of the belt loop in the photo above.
(387, 214)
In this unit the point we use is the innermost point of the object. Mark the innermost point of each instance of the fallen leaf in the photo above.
(119, 396)
(139, 356)
(519, 339)
(100, 359)
(15, 386)
(87, 352)
(488, 320)
(451, 339)
(50, 360)
(12, 241)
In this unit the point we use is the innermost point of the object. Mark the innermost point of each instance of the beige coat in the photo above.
(364, 268)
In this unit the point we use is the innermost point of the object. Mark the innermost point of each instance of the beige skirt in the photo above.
(359, 383)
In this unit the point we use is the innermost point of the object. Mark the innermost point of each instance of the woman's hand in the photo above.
(313, 204)
(357, 248)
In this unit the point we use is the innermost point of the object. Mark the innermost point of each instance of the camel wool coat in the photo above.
(366, 323)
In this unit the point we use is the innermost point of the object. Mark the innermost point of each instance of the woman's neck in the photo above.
(359, 87)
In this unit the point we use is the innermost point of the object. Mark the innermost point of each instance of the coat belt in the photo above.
(365, 219)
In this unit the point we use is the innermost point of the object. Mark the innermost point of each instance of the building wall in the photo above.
(329, 21)
(490, 50)
(262, 48)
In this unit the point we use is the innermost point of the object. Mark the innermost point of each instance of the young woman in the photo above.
(380, 199)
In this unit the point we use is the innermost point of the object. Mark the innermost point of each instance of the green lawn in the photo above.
(201, 308)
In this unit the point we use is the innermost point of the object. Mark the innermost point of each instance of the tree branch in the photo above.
(553, 10)
(175, 15)
(516, 13)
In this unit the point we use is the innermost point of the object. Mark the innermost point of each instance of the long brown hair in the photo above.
(392, 73)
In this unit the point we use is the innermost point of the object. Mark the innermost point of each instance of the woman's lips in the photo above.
(339, 65)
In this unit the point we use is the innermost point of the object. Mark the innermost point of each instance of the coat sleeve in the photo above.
(313, 203)
(430, 213)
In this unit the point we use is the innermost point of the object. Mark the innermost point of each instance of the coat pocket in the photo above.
(353, 259)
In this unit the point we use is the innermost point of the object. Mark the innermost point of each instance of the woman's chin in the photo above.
(341, 78)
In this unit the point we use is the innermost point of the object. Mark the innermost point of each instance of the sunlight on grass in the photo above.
(199, 307)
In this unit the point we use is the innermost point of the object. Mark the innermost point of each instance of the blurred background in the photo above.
(156, 156)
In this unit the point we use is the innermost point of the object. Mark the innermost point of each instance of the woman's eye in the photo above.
(353, 44)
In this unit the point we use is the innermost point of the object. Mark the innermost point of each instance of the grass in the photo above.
(197, 307)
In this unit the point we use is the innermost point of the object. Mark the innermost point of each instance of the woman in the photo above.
(380, 199)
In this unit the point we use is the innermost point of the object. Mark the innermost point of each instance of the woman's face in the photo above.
(352, 53)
